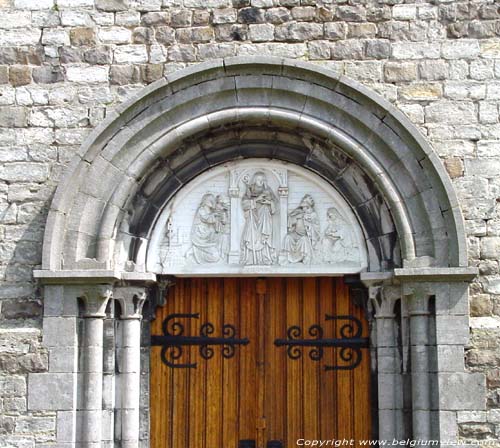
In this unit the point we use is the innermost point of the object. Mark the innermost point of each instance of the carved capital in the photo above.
(95, 299)
(383, 299)
(283, 192)
(417, 296)
(131, 300)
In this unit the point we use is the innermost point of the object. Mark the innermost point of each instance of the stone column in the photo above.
(418, 310)
(95, 299)
(131, 300)
(234, 250)
(383, 300)
(283, 195)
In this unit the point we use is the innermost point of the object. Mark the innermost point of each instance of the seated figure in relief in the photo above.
(337, 244)
(208, 231)
(303, 234)
(259, 205)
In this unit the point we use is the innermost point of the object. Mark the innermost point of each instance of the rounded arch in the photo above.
(211, 113)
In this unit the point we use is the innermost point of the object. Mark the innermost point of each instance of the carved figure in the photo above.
(337, 244)
(303, 234)
(207, 231)
(259, 205)
(223, 225)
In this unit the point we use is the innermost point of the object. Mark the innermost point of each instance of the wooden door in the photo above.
(260, 393)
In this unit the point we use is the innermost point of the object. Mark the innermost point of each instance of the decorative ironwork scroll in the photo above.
(349, 344)
(173, 340)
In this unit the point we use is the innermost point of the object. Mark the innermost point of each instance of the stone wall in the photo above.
(65, 63)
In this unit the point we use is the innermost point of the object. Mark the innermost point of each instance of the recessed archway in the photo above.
(178, 128)
(184, 124)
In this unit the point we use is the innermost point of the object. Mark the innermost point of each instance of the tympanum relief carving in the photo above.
(257, 216)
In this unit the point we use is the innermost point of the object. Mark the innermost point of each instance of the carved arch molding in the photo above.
(381, 174)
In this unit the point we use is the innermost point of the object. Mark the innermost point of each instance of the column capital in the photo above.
(131, 299)
(418, 295)
(95, 299)
(383, 299)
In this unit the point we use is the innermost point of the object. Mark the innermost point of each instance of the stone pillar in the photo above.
(95, 299)
(234, 250)
(283, 195)
(383, 300)
(418, 310)
(131, 300)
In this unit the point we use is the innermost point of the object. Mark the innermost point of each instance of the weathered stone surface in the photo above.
(82, 36)
(112, 5)
(19, 75)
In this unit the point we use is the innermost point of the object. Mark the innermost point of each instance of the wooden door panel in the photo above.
(260, 393)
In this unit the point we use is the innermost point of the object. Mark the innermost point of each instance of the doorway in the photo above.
(250, 364)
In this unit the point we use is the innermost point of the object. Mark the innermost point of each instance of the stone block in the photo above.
(452, 112)
(277, 16)
(112, 5)
(227, 15)
(12, 386)
(350, 49)
(351, 13)
(130, 54)
(19, 75)
(433, 70)
(304, 13)
(404, 12)
(462, 391)
(460, 49)
(87, 74)
(55, 36)
(455, 167)
(114, 35)
(452, 328)
(82, 36)
(297, 32)
(60, 332)
(24, 172)
(335, 31)
(400, 71)
(51, 391)
(378, 49)
(319, 49)
(34, 424)
(490, 247)
(30, 4)
(361, 30)
(415, 50)
(13, 117)
(66, 426)
(450, 358)
(127, 18)
(251, 15)
(261, 32)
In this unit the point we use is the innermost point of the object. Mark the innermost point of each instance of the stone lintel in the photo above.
(438, 274)
(91, 276)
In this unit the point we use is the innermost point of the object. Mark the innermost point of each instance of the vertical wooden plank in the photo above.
(161, 393)
(344, 377)
(179, 384)
(294, 366)
(262, 323)
(310, 368)
(214, 367)
(247, 405)
(196, 428)
(231, 367)
(327, 400)
(155, 382)
(361, 382)
(275, 376)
